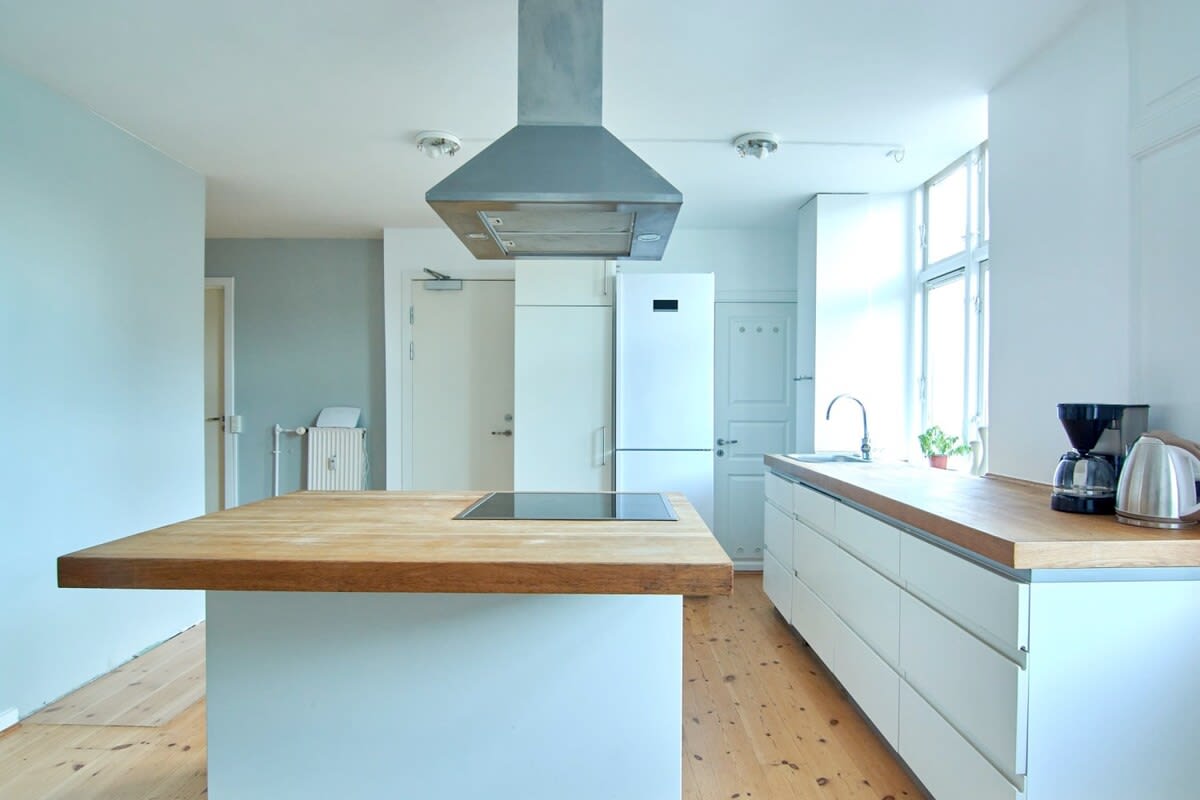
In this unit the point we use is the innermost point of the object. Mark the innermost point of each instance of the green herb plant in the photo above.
(935, 442)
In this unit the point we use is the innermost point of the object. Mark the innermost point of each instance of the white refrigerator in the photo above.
(664, 385)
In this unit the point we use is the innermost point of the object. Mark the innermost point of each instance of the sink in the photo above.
(825, 458)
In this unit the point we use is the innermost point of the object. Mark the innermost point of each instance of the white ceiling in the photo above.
(302, 115)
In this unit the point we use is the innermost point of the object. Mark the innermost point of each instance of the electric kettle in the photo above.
(1158, 483)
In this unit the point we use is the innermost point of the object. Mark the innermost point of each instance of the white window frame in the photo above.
(973, 263)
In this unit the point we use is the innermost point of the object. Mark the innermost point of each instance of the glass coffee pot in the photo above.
(1085, 483)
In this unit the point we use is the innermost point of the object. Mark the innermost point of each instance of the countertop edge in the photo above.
(1035, 554)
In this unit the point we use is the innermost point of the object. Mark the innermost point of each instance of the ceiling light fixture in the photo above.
(758, 144)
(436, 144)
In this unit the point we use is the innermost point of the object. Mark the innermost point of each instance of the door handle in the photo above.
(502, 433)
(726, 441)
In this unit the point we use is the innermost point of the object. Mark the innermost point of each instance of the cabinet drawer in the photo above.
(871, 682)
(868, 602)
(982, 693)
(995, 606)
(777, 584)
(813, 508)
(873, 541)
(947, 764)
(778, 491)
(777, 535)
(813, 620)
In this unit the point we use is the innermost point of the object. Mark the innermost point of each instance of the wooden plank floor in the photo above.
(762, 719)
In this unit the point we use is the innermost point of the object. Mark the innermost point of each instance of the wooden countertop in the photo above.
(406, 542)
(1002, 519)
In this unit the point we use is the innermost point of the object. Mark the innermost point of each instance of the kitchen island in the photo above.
(1004, 650)
(369, 645)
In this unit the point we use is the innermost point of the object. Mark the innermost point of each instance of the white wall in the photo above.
(101, 348)
(1165, 76)
(749, 265)
(1060, 241)
(863, 291)
(1095, 148)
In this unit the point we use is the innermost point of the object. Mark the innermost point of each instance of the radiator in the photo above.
(337, 458)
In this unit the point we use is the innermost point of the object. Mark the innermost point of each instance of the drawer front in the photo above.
(777, 584)
(778, 491)
(873, 541)
(813, 508)
(995, 606)
(945, 762)
(871, 682)
(777, 535)
(982, 693)
(868, 602)
(813, 620)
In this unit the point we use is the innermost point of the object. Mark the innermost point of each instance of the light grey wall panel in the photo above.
(308, 333)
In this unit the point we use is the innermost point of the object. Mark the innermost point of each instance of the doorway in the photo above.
(460, 392)
(754, 413)
(220, 441)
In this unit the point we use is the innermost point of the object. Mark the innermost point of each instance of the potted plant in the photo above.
(937, 446)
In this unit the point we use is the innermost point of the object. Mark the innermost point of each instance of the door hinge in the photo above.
(410, 351)
(922, 234)
(410, 315)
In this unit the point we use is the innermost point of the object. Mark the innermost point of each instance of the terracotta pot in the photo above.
(938, 462)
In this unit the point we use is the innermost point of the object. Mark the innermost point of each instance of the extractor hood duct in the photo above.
(558, 185)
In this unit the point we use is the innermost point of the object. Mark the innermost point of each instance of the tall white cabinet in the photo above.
(563, 389)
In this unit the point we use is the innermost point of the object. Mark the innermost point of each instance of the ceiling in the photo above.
(302, 115)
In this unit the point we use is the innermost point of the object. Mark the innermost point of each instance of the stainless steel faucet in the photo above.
(866, 440)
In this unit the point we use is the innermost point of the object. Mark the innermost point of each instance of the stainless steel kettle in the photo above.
(1157, 488)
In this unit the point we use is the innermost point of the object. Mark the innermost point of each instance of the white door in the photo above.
(754, 410)
(563, 436)
(462, 386)
(220, 424)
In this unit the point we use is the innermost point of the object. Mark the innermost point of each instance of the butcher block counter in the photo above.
(1007, 521)
(368, 645)
(407, 542)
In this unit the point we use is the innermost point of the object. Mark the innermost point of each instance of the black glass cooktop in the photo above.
(571, 505)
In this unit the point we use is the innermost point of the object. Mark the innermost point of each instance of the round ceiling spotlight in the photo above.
(758, 144)
(436, 144)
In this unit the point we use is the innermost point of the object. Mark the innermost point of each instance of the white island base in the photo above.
(447, 696)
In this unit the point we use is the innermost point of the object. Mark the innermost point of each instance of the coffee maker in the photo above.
(1101, 434)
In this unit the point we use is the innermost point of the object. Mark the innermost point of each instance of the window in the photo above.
(952, 283)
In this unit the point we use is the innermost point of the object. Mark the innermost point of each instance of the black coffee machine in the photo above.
(1085, 481)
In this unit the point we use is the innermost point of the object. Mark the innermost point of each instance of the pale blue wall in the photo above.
(101, 351)
(308, 334)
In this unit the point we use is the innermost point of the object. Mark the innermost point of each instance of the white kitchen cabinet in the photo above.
(564, 283)
(947, 764)
(777, 534)
(777, 585)
(981, 693)
(562, 427)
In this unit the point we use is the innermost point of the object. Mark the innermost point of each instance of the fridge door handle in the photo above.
(603, 445)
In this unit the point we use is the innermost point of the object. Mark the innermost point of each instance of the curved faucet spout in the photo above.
(866, 440)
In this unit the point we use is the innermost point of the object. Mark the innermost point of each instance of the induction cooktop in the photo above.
(646, 506)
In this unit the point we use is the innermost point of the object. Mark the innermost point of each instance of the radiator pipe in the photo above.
(275, 453)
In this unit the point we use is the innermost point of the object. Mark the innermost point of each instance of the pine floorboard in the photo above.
(761, 719)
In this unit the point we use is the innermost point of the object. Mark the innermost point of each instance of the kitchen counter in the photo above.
(367, 644)
(406, 542)
(1005, 520)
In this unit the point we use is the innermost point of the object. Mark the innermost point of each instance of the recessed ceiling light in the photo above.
(648, 237)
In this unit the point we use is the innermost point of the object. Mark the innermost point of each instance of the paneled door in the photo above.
(461, 425)
(754, 413)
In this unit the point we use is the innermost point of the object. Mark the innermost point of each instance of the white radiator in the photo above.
(337, 458)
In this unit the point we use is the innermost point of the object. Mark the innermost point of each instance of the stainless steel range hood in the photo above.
(558, 185)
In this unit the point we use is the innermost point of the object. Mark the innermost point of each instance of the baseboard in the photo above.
(8, 718)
